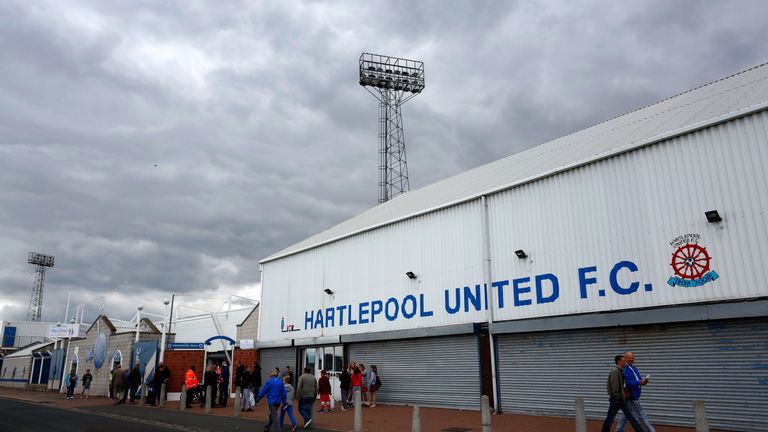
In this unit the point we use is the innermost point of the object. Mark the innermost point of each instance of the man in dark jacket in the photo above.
(615, 389)
(210, 382)
(162, 375)
(118, 383)
(224, 384)
(134, 378)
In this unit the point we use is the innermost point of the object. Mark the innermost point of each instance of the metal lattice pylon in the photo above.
(40, 264)
(393, 81)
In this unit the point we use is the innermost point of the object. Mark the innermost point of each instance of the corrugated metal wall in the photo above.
(720, 362)
(443, 249)
(426, 372)
(272, 358)
(630, 208)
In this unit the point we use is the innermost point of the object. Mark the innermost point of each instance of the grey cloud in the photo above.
(260, 133)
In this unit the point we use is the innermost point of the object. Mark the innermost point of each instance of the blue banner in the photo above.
(709, 277)
(184, 346)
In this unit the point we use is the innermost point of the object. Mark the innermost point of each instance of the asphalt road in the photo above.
(32, 417)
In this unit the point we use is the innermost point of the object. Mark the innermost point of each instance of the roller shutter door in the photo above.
(277, 357)
(442, 372)
(724, 363)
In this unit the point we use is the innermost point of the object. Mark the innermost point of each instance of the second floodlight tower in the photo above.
(392, 81)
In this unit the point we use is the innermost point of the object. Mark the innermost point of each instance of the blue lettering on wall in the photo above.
(391, 308)
(451, 309)
(363, 312)
(341, 310)
(319, 319)
(555, 288)
(629, 265)
(423, 312)
(584, 281)
(409, 302)
(377, 306)
(470, 297)
(499, 285)
(309, 319)
(518, 289)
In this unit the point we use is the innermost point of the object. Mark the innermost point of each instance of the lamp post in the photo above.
(66, 367)
(165, 330)
(138, 322)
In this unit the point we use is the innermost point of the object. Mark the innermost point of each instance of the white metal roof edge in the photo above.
(592, 159)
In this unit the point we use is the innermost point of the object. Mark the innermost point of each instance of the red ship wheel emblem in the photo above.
(690, 261)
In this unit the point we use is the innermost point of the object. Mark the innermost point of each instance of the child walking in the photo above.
(288, 405)
(324, 388)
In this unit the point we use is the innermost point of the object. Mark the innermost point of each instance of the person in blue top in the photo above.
(274, 390)
(634, 381)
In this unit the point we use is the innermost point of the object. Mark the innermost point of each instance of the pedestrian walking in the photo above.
(324, 388)
(274, 390)
(357, 383)
(71, 381)
(287, 407)
(223, 383)
(210, 383)
(306, 391)
(615, 388)
(87, 379)
(365, 384)
(374, 387)
(345, 382)
(118, 384)
(634, 382)
(256, 376)
(134, 379)
(190, 380)
(246, 384)
(161, 376)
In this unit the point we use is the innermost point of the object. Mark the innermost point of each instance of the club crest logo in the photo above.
(691, 262)
(285, 328)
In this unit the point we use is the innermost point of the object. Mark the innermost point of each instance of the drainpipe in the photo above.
(491, 297)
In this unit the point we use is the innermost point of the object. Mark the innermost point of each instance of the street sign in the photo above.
(184, 346)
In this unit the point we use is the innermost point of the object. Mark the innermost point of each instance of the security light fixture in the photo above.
(328, 291)
(411, 275)
(521, 254)
(713, 216)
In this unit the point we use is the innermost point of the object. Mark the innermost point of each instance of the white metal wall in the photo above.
(720, 362)
(443, 249)
(427, 372)
(629, 208)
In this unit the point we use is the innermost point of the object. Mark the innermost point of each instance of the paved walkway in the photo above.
(382, 418)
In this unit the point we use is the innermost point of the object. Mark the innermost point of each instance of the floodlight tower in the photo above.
(40, 263)
(393, 81)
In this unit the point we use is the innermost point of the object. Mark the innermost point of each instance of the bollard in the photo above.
(183, 398)
(581, 416)
(700, 416)
(238, 402)
(143, 397)
(485, 410)
(208, 394)
(416, 420)
(162, 396)
(358, 410)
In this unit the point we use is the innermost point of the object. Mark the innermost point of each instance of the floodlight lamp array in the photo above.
(391, 73)
(35, 258)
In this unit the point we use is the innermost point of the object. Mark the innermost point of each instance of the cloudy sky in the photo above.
(167, 146)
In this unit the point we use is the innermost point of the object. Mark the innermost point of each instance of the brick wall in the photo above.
(246, 357)
(178, 362)
(16, 372)
(249, 329)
